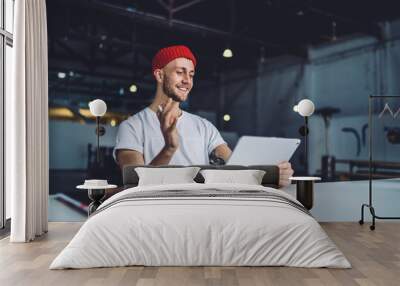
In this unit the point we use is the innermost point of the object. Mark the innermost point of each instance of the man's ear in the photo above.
(159, 75)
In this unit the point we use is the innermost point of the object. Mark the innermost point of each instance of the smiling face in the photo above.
(178, 79)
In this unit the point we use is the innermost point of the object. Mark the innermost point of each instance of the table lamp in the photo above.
(305, 108)
(98, 108)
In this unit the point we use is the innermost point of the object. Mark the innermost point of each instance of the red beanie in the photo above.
(168, 54)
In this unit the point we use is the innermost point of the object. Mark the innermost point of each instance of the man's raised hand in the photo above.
(285, 172)
(168, 114)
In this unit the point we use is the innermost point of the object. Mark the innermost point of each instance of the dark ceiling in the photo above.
(105, 45)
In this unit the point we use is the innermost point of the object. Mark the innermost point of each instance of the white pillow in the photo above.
(249, 177)
(162, 176)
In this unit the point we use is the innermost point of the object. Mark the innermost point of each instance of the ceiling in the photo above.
(103, 46)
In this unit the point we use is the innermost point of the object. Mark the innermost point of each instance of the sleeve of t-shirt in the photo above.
(129, 136)
(214, 138)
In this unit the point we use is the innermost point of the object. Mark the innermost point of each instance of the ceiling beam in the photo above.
(74, 92)
(186, 5)
(162, 22)
(368, 28)
(72, 52)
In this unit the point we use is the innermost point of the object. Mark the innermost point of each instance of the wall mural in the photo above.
(384, 152)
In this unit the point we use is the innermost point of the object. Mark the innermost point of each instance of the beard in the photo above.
(169, 90)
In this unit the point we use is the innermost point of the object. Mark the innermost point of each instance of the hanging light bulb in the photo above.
(61, 75)
(133, 88)
(227, 53)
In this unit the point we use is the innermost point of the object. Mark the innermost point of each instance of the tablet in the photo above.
(255, 150)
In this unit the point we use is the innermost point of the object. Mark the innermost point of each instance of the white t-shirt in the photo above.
(142, 132)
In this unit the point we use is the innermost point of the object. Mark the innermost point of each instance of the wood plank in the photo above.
(374, 255)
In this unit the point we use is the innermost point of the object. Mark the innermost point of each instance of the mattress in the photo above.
(201, 225)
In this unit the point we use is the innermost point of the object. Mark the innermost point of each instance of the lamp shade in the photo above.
(305, 107)
(98, 107)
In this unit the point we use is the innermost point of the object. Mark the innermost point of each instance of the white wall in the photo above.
(344, 145)
(240, 98)
(278, 90)
(68, 143)
(341, 201)
(341, 74)
(344, 78)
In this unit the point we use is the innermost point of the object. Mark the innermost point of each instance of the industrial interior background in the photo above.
(336, 53)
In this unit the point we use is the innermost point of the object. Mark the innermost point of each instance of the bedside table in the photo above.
(96, 192)
(305, 190)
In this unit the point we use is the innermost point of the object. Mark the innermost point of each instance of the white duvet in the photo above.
(200, 231)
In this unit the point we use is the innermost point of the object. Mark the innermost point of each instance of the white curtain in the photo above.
(27, 123)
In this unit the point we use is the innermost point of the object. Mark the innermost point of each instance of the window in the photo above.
(9, 13)
(6, 62)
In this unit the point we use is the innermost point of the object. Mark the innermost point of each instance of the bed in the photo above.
(198, 224)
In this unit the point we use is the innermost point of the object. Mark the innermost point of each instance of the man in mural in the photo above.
(162, 133)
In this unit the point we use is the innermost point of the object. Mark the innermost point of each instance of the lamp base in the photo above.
(100, 131)
(96, 195)
(303, 130)
(305, 193)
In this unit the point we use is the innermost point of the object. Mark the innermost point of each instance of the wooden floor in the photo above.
(375, 256)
